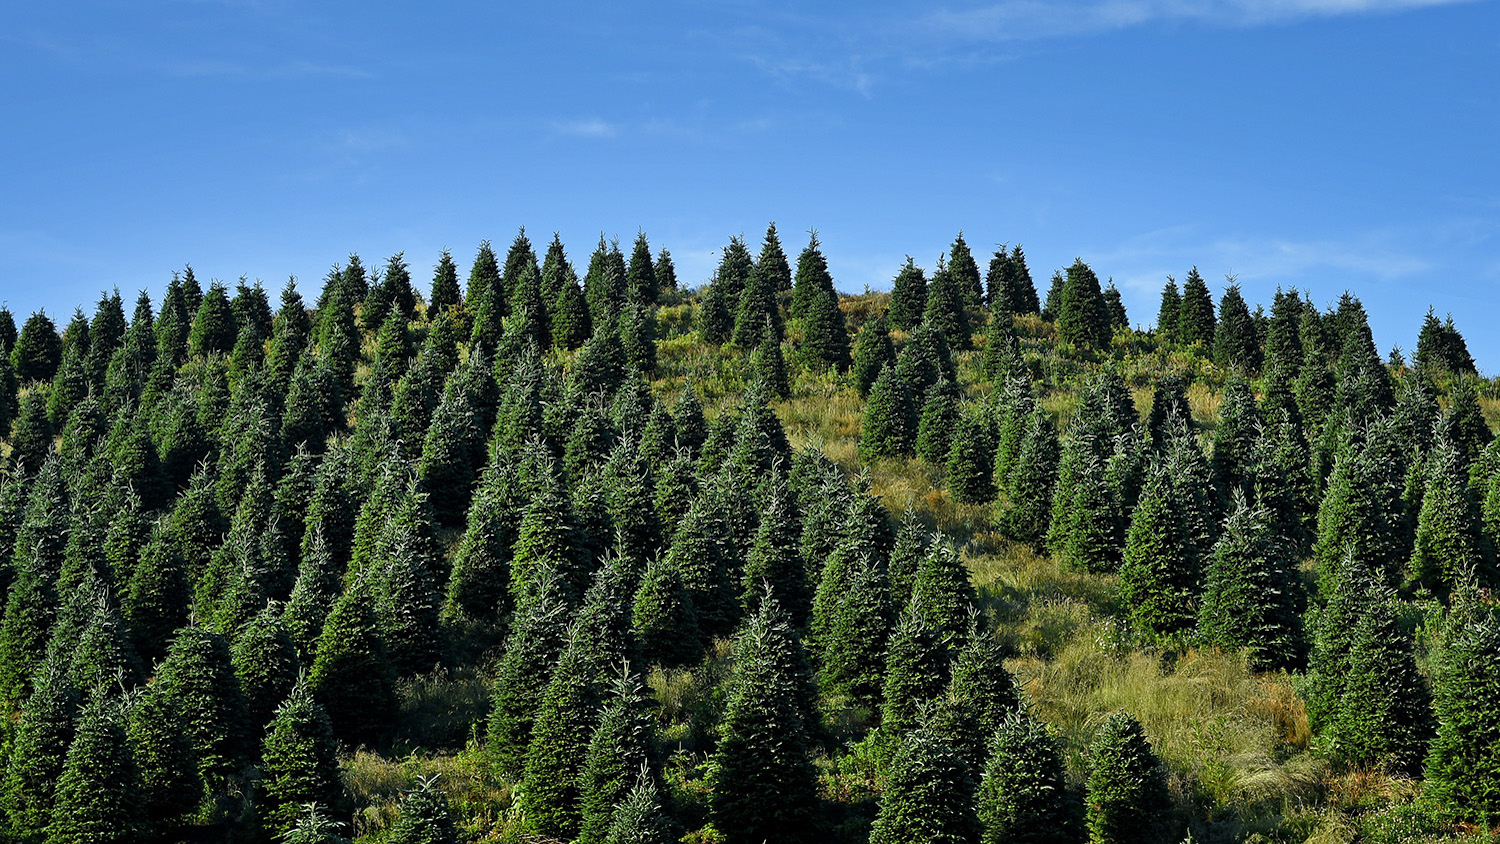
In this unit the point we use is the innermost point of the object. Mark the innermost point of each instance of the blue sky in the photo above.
(1321, 144)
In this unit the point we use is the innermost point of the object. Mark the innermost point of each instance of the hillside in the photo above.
(563, 556)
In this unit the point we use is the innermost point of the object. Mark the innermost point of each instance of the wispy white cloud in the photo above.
(847, 73)
(591, 127)
(1018, 20)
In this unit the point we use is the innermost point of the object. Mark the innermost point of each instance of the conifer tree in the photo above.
(98, 798)
(981, 695)
(214, 327)
(1284, 343)
(38, 351)
(1450, 538)
(299, 761)
(1464, 422)
(666, 271)
(943, 595)
(663, 618)
(424, 817)
(825, 334)
(640, 818)
(352, 676)
(944, 308)
(265, 662)
(916, 673)
(198, 673)
(1252, 596)
(1159, 573)
(1195, 321)
(873, 352)
(38, 748)
(445, 293)
(852, 664)
(971, 457)
(165, 760)
(965, 272)
(696, 555)
(762, 782)
(908, 297)
(1030, 485)
(536, 638)
(31, 440)
(1082, 317)
(1115, 307)
(314, 827)
(1016, 292)
(940, 414)
(886, 430)
(811, 281)
(1169, 312)
(1127, 784)
(1354, 588)
(617, 755)
(1234, 438)
(1236, 344)
(767, 366)
(1384, 715)
(1463, 763)
(928, 797)
(757, 317)
(568, 711)
(1023, 795)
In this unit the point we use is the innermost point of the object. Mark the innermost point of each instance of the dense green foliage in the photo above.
(611, 557)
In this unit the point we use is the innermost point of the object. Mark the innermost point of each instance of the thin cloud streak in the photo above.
(587, 128)
(1019, 20)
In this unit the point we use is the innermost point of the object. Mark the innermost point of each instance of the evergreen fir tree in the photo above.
(762, 782)
(1450, 538)
(767, 366)
(1115, 307)
(908, 297)
(617, 755)
(1167, 328)
(940, 414)
(873, 352)
(1030, 485)
(886, 428)
(568, 711)
(1082, 316)
(214, 327)
(666, 271)
(1463, 763)
(299, 761)
(928, 797)
(165, 760)
(31, 440)
(944, 308)
(640, 818)
(971, 457)
(1236, 344)
(663, 619)
(1234, 438)
(943, 595)
(352, 676)
(966, 272)
(38, 351)
(981, 695)
(198, 674)
(757, 305)
(1252, 595)
(825, 334)
(314, 827)
(1464, 422)
(1195, 321)
(852, 664)
(1284, 345)
(1127, 784)
(424, 817)
(1023, 795)
(1159, 574)
(916, 673)
(98, 796)
(1384, 716)
(38, 749)
(265, 662)
(445, 293)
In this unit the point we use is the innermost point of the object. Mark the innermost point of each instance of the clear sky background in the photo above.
(1321, 144)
